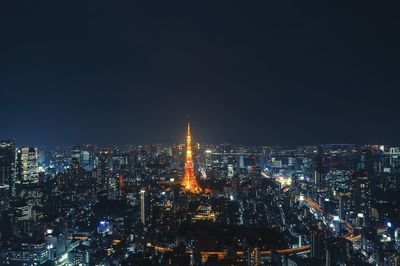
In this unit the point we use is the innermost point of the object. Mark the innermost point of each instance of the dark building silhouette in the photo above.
(361, 194)
(104, 168)
(319, 169)
(7, 167)
(317, 248)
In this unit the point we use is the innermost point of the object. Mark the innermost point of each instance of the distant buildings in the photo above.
(83, 205)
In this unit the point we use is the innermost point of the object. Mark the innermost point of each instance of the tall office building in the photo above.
(27, 165)
(241, 162)
(319, 169)
(332, 251)
(104, 168)
(7, 167)
(343, 202)
(263, 160)
(144, 207)
(317, 250)
(361, 194)
(87, 157)
(76, 153)
(76, 173)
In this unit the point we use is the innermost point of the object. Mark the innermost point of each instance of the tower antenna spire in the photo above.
(189, 180)
(188, 124)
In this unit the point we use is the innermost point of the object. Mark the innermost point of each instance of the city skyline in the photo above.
(200, 205)
(199, 133)
(180, 142)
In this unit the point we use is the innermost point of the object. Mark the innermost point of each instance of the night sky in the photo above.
(272, 72)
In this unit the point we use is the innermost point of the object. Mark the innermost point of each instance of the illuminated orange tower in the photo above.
(189, 180)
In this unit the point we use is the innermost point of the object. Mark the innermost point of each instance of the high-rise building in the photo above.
(104, 168)
(115, 185)
(241, 162)
(7, 167)
(120, 184)
(319, 169)
(76, 173)
(362, 194)
(342, 212)
(27, 165)
(332, 251)
(87, 157)
(317, 250)
(263, 160)
(189, 180)
(144, 207)
(76, 153)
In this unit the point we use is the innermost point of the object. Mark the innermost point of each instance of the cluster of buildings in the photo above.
(193, 204)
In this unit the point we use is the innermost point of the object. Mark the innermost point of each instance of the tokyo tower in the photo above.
(189, 180)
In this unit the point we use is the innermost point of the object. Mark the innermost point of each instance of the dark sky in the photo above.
(271, 72)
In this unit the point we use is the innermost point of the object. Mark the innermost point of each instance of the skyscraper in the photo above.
(104, 169)
(332, 251)
(189, 180)
(144, 207)
(316, 243)
(76, 153)
(362, 194)
(27, 165)
(7, 166)
(76, 173)
(319, 169)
